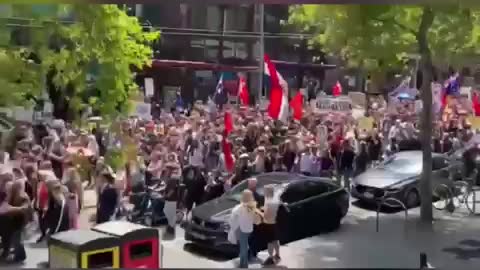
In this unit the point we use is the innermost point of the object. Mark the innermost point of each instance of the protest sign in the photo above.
(358, 99)
(474, 122)
(332, 104)
(365, 123)
(142, 110)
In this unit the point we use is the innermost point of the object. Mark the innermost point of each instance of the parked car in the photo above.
(398, 177)
(312, 205)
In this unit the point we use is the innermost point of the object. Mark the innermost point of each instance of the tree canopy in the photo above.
(85, 54)
(380, 36)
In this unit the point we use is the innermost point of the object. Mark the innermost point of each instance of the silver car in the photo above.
(398, 177)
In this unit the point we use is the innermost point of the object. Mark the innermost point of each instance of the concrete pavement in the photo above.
(453, 243)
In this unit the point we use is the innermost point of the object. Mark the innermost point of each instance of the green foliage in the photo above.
(116, 159)
(102, 40)
(379, 37)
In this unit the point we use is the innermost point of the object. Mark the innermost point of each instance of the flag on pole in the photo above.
(179, 104)
(278, 107)
(297, 105)
(227, 150)
(221, 96)
(228, 123)
(476, 104)
(243, 91)
(337, 89)
(227, 153)
(452, 85)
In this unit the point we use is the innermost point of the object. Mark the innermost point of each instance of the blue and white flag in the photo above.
(221, 96)
(452, 85)
(179, 104)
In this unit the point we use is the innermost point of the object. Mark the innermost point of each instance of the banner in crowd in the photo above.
(474, 122)
(142, 110)
(359, 99)
(365, 123)
(327, 104)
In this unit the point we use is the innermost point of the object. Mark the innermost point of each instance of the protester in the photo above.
(242, 219)
(270, 228)
(108, 199)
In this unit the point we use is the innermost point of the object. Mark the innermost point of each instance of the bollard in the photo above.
(424, 262)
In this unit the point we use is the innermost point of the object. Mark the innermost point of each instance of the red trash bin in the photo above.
(139, 245)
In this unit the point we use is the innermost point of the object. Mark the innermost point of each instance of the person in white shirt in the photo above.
(243, 217)
(270, 210)
(196, 154)
(307, 161)
(259, 163)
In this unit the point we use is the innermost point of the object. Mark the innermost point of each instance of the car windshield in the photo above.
(236, 192)
(403, 165)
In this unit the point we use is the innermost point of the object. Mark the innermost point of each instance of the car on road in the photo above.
(398, 177)
(312, 205)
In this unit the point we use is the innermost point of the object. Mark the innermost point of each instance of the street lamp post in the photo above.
(261, 14)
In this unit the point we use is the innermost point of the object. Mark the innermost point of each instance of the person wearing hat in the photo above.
(108, 196)
(243, 170)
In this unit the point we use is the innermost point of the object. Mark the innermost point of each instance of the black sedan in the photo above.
(312, 205)
(398, 178)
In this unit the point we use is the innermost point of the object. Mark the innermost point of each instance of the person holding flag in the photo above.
(221, 96)
(278, 107)
(243, 91)
(337, 89)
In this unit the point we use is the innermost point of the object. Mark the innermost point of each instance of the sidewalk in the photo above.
(453, 243)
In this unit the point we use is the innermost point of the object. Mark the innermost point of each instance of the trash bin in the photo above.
(139, 244)
(83, 249)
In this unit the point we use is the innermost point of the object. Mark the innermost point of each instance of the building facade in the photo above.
(195, 35)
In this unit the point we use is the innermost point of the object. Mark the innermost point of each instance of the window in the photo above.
(141, 250)
(213, 18)
(303, 189)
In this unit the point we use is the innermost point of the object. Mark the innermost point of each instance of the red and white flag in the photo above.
(243, 91)
(337, 89)
(278, 107)
(297, 105)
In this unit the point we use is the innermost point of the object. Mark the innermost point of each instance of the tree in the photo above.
(378, 38)
(101, 39)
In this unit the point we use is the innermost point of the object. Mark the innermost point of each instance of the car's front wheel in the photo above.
(412, 198)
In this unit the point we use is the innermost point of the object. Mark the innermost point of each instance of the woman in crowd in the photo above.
(9, 214)
(242, 219)
(57, 213)
(109, 197)
(17, 223)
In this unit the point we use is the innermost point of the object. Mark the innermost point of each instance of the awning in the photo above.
(197, 65)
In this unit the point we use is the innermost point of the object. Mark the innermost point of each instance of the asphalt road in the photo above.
(453, 243)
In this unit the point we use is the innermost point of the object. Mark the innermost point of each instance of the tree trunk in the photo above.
(426, 213)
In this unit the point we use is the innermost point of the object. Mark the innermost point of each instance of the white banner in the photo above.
(149, 87)
(143, 110)
(332, 104)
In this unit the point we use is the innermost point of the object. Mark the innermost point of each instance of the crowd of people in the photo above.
(42, 179)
